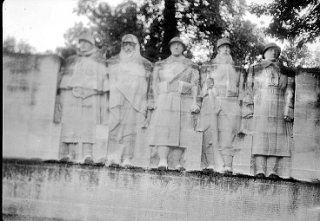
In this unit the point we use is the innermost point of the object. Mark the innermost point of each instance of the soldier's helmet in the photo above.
(223, 41)
(271, 45)
(87, 36)
(179, 40)
(129, 38)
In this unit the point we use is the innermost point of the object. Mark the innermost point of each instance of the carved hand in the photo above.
(195, 109)
(288, 119)
(209, 83)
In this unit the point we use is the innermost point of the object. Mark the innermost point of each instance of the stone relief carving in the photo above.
(175, 83)
(83, 98)
(126, 96)
(221, 112)
(272, 110)
(130, 99)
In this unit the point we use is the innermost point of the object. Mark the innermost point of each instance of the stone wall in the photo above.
(306, 128)
(46, 191)
(29, 94)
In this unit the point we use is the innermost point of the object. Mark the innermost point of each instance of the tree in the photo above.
(109, 26)
(10, 45)
(160, 27)
(303, 57)
(24, 48)
(155, 22)
(248, 42)
(297, 20)
(170, 23)
(208, 20)
(72, 34)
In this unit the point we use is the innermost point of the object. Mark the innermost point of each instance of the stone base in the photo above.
(53, 191)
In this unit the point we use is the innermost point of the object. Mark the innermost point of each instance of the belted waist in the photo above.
(178, 87)
(222, 91)
(272, 90)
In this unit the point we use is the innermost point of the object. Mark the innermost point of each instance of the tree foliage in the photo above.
(72, 34)
(203, 22)
(298, 19)
(10, 45)
(155, 22)
(303, 57)
(160, 22)
(110, 25)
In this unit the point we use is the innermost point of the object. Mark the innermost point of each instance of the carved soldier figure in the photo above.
(272, 96)
(84, 97)
(130, 98)
(175, 83)
(220, 114)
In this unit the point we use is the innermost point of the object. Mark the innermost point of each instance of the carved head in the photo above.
(130, 47)
(224, 52)
(86, 42)
(271, 51)
(129, 43)
(176, 46)
(223, 46)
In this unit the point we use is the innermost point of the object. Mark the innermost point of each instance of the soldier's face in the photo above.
(224, 50)
(271, 53)
(85, 45)
(176, 48)
(128, 47)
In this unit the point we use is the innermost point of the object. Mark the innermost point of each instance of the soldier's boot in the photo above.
(66, 155)
(163, 152)
(181, 161)
(74, 151)
(260, 165)
(127, 156)
(227, 164)
(272, 163)
(114, 159)
(87, 153)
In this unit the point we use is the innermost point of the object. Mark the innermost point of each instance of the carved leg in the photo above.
(181, 161)
(260, 165)
(129, 143)
(272, 167)
(114, 158)
(87, 153)
(163, 155)
(207, 150)
(74, 152)
(65, 152)
(226, 138)
(126, 157)
(227, 163)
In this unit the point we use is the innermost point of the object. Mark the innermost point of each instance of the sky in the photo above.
(42, 23)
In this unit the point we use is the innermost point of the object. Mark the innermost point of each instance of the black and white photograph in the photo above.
(161, 110)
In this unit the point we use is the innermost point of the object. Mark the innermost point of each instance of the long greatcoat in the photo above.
(269, 88)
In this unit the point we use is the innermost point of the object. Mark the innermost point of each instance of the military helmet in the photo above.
(87, 37)
(179, 40)
(128, 38)
(223, 41)
(271, 45)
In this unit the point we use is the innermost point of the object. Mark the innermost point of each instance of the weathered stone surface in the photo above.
(306, 128)
(29, 93)
(75, 192)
